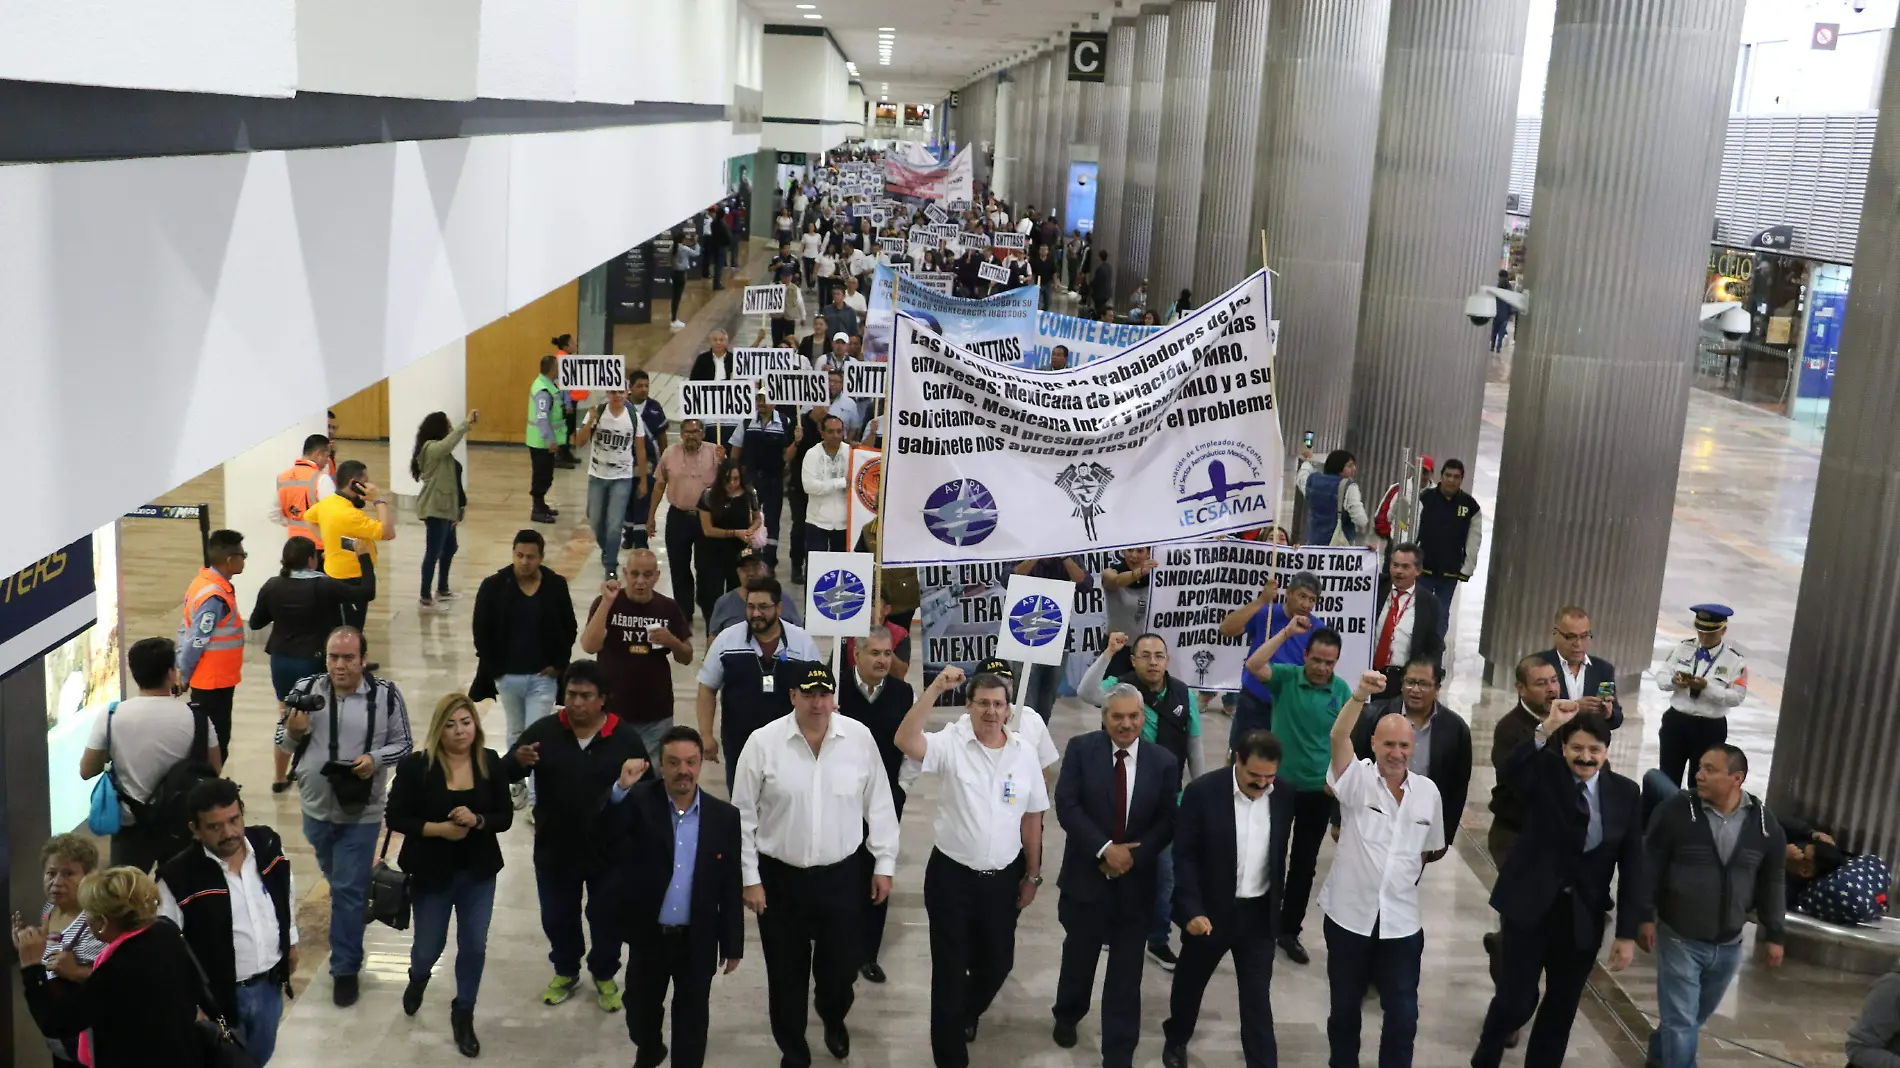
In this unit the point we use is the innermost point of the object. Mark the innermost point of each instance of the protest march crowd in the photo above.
(1079, 504)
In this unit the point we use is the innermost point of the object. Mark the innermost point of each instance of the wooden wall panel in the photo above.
(364, 415)
(504, 356)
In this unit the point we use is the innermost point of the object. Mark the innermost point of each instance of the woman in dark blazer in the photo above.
(448, 802)
(140, 1003)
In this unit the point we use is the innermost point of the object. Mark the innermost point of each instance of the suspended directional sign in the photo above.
(1088, 57)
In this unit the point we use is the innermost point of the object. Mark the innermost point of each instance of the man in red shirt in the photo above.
(636, 633)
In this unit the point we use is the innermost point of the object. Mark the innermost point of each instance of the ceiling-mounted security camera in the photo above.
(1860, 6)
(1482, 307)
(1730, 317)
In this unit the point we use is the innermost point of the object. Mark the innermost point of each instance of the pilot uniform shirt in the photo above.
(986, 792)
(1727, 672)
(1378, 865)
(1022, 720)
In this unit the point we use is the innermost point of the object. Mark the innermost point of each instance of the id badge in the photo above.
(768, 684)
(1009, 791)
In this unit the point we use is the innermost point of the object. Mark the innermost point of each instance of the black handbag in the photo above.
(390, 894)
(221, 1044)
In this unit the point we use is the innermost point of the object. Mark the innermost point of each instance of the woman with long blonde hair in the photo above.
(449, 801)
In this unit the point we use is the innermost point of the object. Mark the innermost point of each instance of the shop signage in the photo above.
(1780, 238)
(1088, 57)
(45, 603)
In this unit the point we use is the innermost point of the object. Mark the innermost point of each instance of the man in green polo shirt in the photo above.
(1306, 700)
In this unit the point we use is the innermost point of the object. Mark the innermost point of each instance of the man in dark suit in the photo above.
(1585, 679)
(1410, 621)
(679, 849)
(1221, 907)
(1441, 749)
(1116, 803)
(1583, 824)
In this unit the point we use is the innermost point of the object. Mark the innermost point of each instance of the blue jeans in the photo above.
(438, 549)
(650, 735)
(1691, 978)
(1391, 965)
(1443, 588)
(524, 699)
(1164, 898)
(345, 852)
(606, 511)
(638, 501)
(472, 897)
(260, 1006)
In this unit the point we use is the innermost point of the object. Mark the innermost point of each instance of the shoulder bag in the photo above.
(390, 893)
(223, 1047)
(105, 818)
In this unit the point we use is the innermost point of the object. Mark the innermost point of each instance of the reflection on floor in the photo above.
(1746, 545)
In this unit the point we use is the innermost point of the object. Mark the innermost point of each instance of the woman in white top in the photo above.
(71, 947)
(827, 271)
(618, 449)
(809, 244)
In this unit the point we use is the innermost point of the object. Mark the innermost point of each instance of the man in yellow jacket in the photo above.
(211, 633)
(343, 520)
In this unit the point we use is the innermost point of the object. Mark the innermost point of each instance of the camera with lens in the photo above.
(305, 702)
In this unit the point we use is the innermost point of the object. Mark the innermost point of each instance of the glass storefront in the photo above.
(83, 676)
(1785, 362)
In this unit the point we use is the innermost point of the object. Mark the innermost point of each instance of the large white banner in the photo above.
(955, 180)
(1175, 439)
(1005, 327)
(1196, 584)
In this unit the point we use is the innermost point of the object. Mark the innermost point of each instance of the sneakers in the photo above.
(560, 988)
(607, 994)
(446, 594)
(518, 793)
(677, 325)
(1163, 955)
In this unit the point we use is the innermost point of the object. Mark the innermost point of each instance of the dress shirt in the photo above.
(870, 692)
(1402, 629)
(1573, 684)
(1253, 832)
(676, 908)
(1379, 862)
(253, 915)
(1022, 720)
(809, 809)
(1727, 830)
(1420, 762)
(985, 794)
(1128, 802)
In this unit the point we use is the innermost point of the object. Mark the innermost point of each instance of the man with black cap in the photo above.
(810, 789)
(987, 864)
(1705, 677)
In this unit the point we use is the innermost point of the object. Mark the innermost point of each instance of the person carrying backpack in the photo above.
(154, 747)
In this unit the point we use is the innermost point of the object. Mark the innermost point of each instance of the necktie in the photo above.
(1382, 655)
(1592, 835)
(1121, 794)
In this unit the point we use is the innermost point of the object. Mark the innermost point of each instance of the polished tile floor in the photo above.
(1746, 545)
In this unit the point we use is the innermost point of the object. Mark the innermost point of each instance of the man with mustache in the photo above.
(1582, 824)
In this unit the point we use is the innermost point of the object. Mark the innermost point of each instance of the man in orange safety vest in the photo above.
(211, 633)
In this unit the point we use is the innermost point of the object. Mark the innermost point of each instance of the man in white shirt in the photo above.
(235, 901)
(852, 298)
(1022, 720)
(826, 474)
(988, 860)
(806, 787)
(1391, 821)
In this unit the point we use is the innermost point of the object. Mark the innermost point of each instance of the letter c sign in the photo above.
(1088, 57)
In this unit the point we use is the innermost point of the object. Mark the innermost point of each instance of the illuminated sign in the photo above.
(45, 603)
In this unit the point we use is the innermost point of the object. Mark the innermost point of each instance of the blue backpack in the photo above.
(1854, 893)
(105, 817)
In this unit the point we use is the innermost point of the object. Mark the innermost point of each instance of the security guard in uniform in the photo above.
(211, 633)
(546, 432)
(306, 481)
(1705, 677)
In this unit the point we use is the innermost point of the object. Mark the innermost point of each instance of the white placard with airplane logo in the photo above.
(838, 597)
(1035, 624)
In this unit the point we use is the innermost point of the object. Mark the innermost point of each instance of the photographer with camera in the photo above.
(342, 729)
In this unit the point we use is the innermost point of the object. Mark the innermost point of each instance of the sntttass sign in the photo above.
(866, 380)
(764, 300)
(798, 389)
(593, 372)
(755, 363)
(1088, 57)
(1173, 439)
(717, 402)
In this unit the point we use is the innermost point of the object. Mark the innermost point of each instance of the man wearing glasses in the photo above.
(1441, 739)
(1590, 681)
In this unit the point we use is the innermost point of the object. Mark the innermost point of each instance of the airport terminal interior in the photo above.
(1601, 255)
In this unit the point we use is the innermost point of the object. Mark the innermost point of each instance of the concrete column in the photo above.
(1319, 123)
(1226, 240)
(24, 828)
(1634, 119)
(250, 499)
(437, 382)
(1062, 137)
(1177, 208)
(1839, 733)
(1041, 145)
(1144, 147)
(1447, 117)
(1117, 91)
(1002, 165)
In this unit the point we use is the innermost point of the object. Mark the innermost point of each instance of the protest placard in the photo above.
(764, 300)
(717, 402)
(593, 372)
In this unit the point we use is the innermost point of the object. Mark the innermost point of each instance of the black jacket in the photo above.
(1597, 672)
(1518, 726)
(882, 716)
(1085, 806)
(1428, 619)
(302, 612)
(703, 369)
(140, 1004)
(1450, 756)
(1697, 895)
(492, 621)
(420, 794)
(641, 827)
(1204, 849)
(198, 884)
(569, 782)
(1549, 860)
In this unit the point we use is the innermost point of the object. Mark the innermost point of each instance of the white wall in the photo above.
(803, 137)
(748, 47)
(529, 49)
(805, 78)
(425, 49)
(201, 304)
(243, 47)
(854, 110)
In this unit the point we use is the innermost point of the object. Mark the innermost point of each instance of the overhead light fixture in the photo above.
(806, 7)
(813, 15)
(889, 29)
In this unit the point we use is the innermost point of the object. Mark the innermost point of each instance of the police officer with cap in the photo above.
(1705, 676)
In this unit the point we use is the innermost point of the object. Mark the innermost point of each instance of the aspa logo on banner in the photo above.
(1221, 479)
